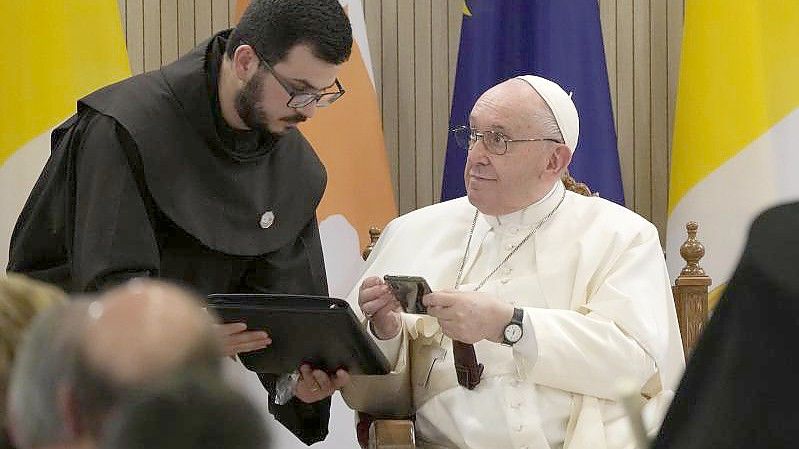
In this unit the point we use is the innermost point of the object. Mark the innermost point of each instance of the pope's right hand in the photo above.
(380, 307)
(236, 338)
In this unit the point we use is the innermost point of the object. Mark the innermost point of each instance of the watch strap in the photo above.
(517, 319)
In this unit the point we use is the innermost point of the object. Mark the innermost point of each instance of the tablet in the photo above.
(320, 331)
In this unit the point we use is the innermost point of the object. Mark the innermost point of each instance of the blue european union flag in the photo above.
(556, 39)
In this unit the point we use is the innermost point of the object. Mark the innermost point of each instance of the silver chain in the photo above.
(511, 253)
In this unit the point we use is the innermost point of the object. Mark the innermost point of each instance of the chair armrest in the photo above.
(392, 434)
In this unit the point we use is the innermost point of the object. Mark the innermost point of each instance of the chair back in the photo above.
(690, 290)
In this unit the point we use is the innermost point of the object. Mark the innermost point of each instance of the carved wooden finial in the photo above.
(573, 185)
(691, 251)
(374, 234)
(691, 290)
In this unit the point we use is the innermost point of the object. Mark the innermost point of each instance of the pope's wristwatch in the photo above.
(513, 331)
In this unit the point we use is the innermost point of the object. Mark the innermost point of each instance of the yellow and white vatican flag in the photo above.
(736, 137)
(348, 137)
(54, 53)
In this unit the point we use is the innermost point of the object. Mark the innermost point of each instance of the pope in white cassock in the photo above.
(562, 295)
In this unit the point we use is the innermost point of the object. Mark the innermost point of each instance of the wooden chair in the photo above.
(690, 292)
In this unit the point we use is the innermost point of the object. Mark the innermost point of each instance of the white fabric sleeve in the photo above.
(390, 347)
(525, 351)
(618, 332)
(585, 353)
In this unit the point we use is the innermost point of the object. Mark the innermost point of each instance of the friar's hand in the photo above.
(315, 385)
(380, 307)
(469, 316)
(236, 338)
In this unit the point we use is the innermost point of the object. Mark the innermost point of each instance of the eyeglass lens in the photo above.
(466, 138)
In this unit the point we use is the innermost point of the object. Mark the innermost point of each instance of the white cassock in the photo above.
(597, 308)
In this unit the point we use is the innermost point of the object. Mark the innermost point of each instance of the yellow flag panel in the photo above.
(54, 52)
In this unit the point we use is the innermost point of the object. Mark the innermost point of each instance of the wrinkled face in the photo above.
(261, 103)
(498, 185)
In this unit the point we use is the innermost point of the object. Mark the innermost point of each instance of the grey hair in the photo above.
(44, 363)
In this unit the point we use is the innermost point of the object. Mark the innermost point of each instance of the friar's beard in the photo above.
(250, 111)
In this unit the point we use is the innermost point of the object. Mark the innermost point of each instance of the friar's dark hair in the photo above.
(273, 27)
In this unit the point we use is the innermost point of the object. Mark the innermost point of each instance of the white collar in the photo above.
(527, 216)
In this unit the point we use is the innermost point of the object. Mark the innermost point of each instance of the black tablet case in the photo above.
(320, 331)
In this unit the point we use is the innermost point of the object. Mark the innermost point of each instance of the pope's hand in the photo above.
(380, 307)
(469, 316)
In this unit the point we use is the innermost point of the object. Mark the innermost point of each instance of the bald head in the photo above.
(144, 329)
(500, 183)
(135, 335)
(515, 105)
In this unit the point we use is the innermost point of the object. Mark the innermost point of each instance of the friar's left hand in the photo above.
(315, 385)
(469, 316)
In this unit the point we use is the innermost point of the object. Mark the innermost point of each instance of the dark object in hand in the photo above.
(409, 291)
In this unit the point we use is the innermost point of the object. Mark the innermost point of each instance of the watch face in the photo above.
(513, 332)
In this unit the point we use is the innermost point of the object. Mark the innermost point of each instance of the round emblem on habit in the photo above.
(267, 219)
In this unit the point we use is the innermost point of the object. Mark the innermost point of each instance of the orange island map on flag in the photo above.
(56, 52)
(348, 137)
